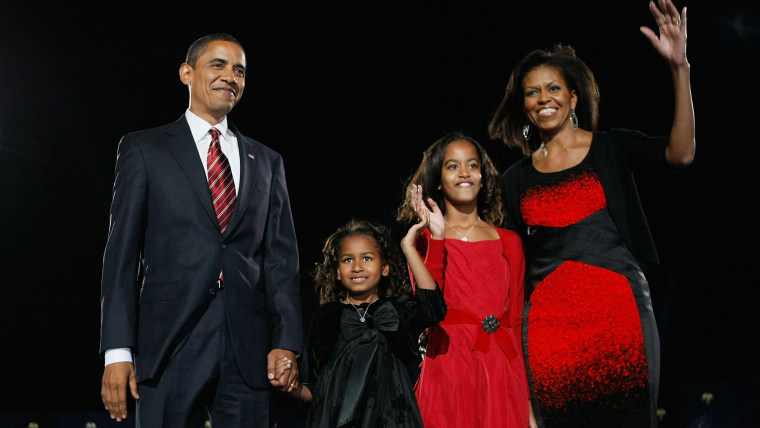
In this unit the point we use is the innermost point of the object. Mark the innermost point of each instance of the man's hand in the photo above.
(116, 378)
(286, 378)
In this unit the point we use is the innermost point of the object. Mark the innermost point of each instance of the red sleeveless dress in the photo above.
(473, 375)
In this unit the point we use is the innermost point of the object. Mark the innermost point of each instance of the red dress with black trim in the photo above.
(589, 324)
(473, 373)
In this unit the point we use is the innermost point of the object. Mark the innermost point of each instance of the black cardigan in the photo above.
(617, 155)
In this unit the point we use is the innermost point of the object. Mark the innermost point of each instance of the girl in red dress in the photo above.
(473, 373)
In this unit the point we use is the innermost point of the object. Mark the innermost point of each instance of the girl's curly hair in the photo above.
(325, 274)
(428, 175)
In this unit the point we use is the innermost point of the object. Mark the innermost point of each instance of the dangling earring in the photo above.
(573, 120)
(526, 132)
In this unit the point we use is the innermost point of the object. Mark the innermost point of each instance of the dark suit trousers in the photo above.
(202, 382)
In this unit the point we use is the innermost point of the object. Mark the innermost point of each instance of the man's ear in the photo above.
(185, 73)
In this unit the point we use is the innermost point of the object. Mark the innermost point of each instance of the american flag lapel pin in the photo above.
(251, 156)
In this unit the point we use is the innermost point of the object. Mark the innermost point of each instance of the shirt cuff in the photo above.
(118, 355)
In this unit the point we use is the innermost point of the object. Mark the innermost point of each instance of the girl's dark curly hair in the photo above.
(428, 175)
(327, 285)
(508, 120)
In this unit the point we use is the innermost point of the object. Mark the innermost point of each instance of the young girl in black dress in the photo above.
(364, 334)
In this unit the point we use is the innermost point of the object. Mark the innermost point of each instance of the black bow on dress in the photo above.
(385, 318)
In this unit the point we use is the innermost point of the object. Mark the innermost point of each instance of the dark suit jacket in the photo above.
(165, 252)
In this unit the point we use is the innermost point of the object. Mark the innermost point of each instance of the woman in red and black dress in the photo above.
(589, 333)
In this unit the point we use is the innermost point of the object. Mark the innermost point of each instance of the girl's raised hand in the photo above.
(410, 240)
(420, 274)
(432, 216)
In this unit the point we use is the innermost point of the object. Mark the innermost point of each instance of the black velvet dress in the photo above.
(360, 368)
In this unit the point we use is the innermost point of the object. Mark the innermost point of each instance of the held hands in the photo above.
(282, 369)
(113, 390)
(299, 391)
(432, 217)
(671, 43)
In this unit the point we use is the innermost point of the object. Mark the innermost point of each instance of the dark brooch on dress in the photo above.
(490, 324)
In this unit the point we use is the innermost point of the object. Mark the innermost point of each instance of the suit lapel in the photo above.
(180, 142)
(249, 168)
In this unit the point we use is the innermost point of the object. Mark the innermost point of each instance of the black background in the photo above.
(350, 96)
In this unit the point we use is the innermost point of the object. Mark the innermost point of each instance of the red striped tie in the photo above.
(220, 181)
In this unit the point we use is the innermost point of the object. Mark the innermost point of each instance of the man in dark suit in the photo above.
(203, 298)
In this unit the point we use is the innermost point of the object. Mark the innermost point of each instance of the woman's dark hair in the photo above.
(327, 285)
(428, 175)
(509, 119)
